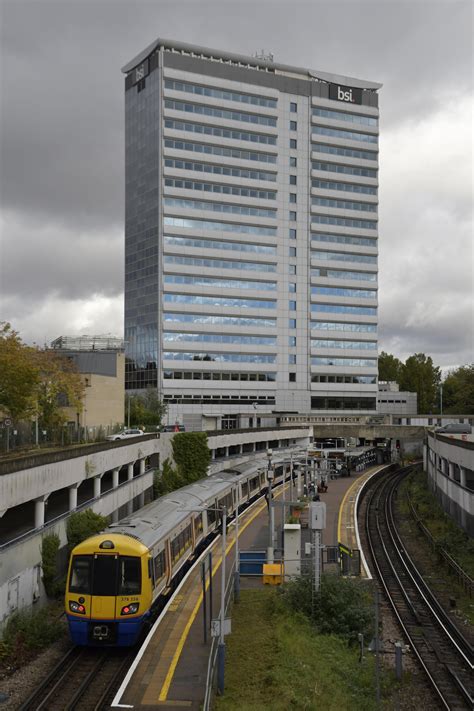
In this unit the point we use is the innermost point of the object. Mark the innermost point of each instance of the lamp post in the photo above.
(270, 475)
(441, 399)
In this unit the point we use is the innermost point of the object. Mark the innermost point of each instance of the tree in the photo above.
(82, 525)
(19, 375)
(59, 386)
(458, 391)
(421, 376)
(147, 409)
(390, 368)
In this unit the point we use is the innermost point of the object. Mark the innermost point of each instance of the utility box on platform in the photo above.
(317, 515)
(292, 550)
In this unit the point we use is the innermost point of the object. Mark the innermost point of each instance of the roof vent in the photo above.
(264, 56)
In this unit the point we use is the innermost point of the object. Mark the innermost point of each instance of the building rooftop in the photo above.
(88, 343)
(261, 62)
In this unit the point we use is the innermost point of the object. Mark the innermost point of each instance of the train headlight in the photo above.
(131, 609)
(77, 607)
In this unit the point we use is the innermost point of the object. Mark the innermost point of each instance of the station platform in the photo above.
(170, 670)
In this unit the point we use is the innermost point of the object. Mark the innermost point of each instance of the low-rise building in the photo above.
(393, 401)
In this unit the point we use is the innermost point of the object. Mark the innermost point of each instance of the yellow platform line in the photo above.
(174, 662)
(341, 508)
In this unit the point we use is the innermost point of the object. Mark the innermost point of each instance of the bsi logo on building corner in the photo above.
(348, 94)
(345, 95)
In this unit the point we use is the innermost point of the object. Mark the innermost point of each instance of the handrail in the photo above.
(48, 524)
(465, 579)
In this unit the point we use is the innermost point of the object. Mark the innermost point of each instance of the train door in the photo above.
(104, 589)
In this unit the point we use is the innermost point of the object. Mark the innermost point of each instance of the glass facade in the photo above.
(142, 215)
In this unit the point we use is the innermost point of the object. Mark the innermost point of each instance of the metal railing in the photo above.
(463, 578)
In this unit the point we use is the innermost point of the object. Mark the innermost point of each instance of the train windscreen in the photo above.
(105, 575)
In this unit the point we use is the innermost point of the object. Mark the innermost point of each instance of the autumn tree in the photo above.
(19, 375)
(35, 382)
(458, 391)
(421, 376)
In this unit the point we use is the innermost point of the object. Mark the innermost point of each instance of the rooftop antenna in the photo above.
(264, 56)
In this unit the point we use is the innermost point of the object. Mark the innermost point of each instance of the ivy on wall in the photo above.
(49, 563)
(191, 455)
(83, 524)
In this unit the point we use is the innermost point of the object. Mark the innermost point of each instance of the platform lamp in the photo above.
(270, 477)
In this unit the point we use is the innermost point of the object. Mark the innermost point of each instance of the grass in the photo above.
(275, 660)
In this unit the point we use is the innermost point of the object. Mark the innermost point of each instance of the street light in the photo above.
(270, 477)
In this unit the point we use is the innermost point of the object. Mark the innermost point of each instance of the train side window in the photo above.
(159, 566)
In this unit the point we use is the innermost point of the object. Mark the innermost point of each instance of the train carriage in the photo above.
(115, 577)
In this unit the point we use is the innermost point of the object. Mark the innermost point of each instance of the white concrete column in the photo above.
(130, 507)
(130, 472)
(450, 470)
(115, 478)
(39, 511)
(462, 475)
(115, 517)
(142, 466)
(97, 487)
(73, 497)
(141, 499)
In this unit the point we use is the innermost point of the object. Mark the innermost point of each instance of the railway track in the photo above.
(444, 654)
(83, 679)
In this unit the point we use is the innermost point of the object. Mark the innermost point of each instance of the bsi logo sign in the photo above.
(348, 94)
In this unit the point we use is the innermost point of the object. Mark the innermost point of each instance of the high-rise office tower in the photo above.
(251, 233)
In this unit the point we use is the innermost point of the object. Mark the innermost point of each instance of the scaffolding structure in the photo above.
(88, 343)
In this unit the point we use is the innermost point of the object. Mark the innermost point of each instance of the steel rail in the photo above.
(377, 509)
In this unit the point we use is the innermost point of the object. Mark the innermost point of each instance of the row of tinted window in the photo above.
(344, 257)
(344, 403)
(220, 132)
(220, 320)
(343, 362)
(337, 326)
(336, 274)
(346, 169)
(224, 283)
(358, 345)
(344, 239)
(343, 116)
(344, 204)
(347, 379)
(220, 113)
(346, 187)
(228, 208)
(346, 152)
(243, 377)
(220, 263)
(220, 170)
(207, 149)
(338, 291)
(224, 94)
(221, 226)
(188, 399)
(344, 222)
(220, 357)
(172, 337)
(348, 135)
(217, 244)
(342, 309)
(221, 189)
(228, 301)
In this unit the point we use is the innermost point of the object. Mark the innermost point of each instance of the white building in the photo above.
(251, 234)
(393, 401)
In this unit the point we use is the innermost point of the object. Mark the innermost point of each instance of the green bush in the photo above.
(343, 606)
(83, 524)
(26, 633)
(49, 564)
(166, 481)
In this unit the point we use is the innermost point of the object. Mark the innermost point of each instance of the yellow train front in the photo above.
(108, 590)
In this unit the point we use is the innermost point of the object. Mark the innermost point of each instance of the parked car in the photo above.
(126, 434)
(455, 428)
(174, 428)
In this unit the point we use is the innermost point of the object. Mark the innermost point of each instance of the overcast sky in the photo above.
(62, 149)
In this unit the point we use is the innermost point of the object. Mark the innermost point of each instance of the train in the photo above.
(115, 578)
